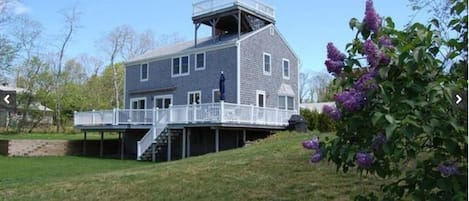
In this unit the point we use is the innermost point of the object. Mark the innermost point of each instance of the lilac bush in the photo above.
(394, 112)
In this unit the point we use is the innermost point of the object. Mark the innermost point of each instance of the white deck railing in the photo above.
(207, 6)
(202, 113)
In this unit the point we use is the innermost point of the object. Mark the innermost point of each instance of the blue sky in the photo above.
(307, 25)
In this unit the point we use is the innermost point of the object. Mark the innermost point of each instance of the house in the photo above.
(316, 106)
(11, 110)
(172, 94)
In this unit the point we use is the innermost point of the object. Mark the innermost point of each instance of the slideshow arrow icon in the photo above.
(6, 99)
(459, 99)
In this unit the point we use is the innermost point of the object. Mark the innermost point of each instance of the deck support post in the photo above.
(153, 152)
(184, 143)
(101, 145)
(122, 136)
(244, 137)
(84, 143)
(188, 142)
(169, 145)
(217, 140)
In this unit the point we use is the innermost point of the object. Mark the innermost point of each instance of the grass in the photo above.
(55, 136)
(274, 169)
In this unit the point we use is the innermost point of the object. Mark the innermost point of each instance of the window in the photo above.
(216, 96)
(137, 103)
(194, 97)
(163, 101)
(267, 64)
(176, 70)
(200, 61)
(281, 102)
(286, 102)
(184, 65)
(260, 98)
(290, 103)
(143, 72)
(286, 68)
(180, 66)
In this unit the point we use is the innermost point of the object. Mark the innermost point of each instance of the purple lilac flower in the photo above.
(384, 59)
(378, 141)
(311, 144)
(316, 157)
(373, 54)
(372, 20)
(367, 82)
(385, 41)
(364, 160)
(333, 112)
(448, 169)
(334, 54)
(352, 100)
(334, 67)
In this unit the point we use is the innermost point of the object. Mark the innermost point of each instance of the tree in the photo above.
(396, 121)
(305, 87)
(321, 85)
(28, 35)
(71, 24)
(7, 55)
(137, 44)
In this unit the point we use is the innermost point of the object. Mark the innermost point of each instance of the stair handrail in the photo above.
(148, 139)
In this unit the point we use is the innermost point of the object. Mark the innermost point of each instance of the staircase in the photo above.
(145, 145)
(160, 146)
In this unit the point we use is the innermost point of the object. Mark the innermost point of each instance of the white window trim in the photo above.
(258, 92)
(285, 97)
(194, 92)
(263, 63)
(213, 94)
(170, 96)
(180, 66)
(195, 61)
(283, 70)
(141, 72)
(132, 100)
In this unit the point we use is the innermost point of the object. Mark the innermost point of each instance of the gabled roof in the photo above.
(185, 47)
(203, 44)
(10, 88)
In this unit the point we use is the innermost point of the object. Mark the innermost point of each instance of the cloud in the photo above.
(20, 9)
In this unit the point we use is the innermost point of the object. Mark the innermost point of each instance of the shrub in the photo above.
(396, 116)
(318, 121)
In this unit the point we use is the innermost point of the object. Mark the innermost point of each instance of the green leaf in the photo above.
(435, 22)
(354, 23)
(451, 146)
(376, 117)
(390, 23)
(390, 119)
(389, 129)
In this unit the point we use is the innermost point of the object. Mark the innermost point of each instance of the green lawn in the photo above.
(274, 169)
(56, 136)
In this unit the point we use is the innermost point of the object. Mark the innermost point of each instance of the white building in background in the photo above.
(316, 106)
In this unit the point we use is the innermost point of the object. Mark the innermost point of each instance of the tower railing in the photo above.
(207, 6)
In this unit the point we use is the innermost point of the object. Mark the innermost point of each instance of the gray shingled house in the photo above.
(172, 94)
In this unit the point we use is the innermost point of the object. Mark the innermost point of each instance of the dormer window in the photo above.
(143, 72)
